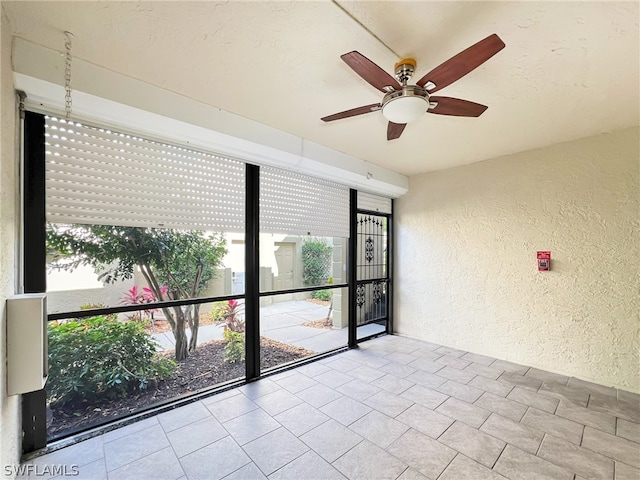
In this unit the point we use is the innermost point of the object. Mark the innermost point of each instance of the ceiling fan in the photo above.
(403, 103)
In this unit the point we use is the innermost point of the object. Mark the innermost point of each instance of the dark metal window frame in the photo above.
(34, 261)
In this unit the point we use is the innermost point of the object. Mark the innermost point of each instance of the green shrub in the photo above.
(316, 262)
(322, 295)
(98, 357)
(234, 349)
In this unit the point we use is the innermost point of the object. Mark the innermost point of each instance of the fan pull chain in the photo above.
(67, 76)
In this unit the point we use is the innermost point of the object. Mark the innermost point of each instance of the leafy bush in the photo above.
(91, 306)
(234, 349)
(232, 316)
(233, 331)
(316, 262)
(217, 312)
(322, 295)
(136, 296)
(98, 357)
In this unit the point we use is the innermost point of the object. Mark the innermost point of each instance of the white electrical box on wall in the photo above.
(27, 358)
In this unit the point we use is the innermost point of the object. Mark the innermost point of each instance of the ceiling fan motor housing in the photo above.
(404, 70)
(405, 105)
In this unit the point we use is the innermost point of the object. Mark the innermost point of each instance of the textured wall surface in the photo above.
(466, 258)
(9, 406)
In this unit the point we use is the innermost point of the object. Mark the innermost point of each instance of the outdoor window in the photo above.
(135, 222)
(304, 228)
(150, 251)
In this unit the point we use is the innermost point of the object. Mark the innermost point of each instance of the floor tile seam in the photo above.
(458, 381)
(509, 443)
(304, 433)
(543, 381)
(553, 415)
(233, 438)
(239, 468)
(628, 439)
(448, 464)
(403, 472)
(548, 434)
(230, 418)
(279, 468)
(584, 428)
(540, 446)
(362, 439)
(354, 398)
(586, 425)
(397, 415)
(105, 441)
(537, 455)
(202, 446)
(136, 459)
(190, 423)
(612, 460)
(501, 452)
(531, 406)
(605, 455)
(486, 366)
(514, 445)
(286, 409)
(242, 447)
(493, 380)
(446, 430)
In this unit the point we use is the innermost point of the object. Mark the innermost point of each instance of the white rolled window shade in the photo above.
(374, 203)
(98, 176)
(296, 204)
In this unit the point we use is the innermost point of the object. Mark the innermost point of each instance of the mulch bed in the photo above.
(203, 368)
(323, 324)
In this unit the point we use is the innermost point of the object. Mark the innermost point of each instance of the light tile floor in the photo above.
(396, 408)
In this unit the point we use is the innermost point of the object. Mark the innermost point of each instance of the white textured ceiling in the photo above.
(569, 69)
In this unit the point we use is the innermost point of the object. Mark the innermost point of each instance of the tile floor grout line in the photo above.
(541, 442)
(445, 468)
(446, 430)
(501, 452)
(403, 472)
(331, 463)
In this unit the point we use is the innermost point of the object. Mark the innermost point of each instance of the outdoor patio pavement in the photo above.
(282, 321)
(396, 408)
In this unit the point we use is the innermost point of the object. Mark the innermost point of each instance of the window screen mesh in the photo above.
(301, 205)
(99, 176)
(374, 203)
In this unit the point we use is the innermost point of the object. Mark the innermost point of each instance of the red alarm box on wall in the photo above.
(544, 261)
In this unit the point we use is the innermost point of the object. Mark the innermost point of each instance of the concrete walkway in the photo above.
(283, 322)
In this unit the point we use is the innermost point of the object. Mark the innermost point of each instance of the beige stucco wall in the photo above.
(466, 268)
(9, 406)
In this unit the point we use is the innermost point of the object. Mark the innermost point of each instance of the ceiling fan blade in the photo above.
(353, 112)
(464, 62)
(456, 107)
(371, 72)
(394, 130)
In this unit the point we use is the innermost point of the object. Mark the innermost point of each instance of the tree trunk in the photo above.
(180, 335)
(194, 323)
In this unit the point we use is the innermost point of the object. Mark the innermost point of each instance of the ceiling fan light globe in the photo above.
(405, 109)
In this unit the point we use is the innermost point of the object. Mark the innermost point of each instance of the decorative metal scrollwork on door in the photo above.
(377, 292)
(360, 296)
(371, 274)
(368, 249)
